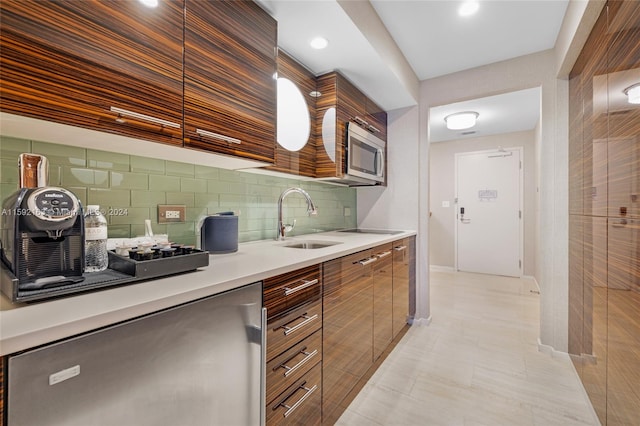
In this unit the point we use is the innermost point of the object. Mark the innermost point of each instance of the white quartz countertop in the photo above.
(23, 326)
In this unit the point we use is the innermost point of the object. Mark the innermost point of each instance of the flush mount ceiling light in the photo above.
(149, 3)
(461, 120)
(468, 8)
(319, 43)
(633, 93)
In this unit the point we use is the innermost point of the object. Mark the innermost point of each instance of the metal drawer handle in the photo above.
(307, 320)
(288, 291)
(291, 409)
(291, 370)
(367, 261)
(126, 113)
(218, 136)
(361, 121)
(373, 129)
(400, 248)
(383, 254)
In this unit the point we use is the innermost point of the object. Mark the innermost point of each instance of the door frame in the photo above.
(497, 151)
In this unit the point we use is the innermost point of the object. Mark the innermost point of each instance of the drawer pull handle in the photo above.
(126, 113)
(400, 248)
(373, 129)
(218, 136)
(288, 291)
(307, 320)
(291, 409)
(291, 370)
(368, 261)
(383, 254)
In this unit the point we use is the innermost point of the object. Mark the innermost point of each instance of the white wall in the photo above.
(442, 178)
(516, 74)
(398, 206)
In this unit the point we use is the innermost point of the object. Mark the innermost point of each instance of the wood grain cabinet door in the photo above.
(347, 341)
(303, 161)
(382, 299)
(229, 86)
(401, 259)
(113, 66)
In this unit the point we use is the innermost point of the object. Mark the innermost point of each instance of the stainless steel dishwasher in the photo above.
(200, 363)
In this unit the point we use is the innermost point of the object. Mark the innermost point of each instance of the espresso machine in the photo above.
(42, 233)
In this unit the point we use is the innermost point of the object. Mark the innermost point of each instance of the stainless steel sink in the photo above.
(309, 245)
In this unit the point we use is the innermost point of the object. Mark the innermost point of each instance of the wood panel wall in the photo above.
(604, 215)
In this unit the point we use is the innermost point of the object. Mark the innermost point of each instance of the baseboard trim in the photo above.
(532, 278)
(551, 351)
(420, 321)
(438, 268)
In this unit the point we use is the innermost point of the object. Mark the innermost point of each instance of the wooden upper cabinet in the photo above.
(303, 161)
(341, 102)
(113, 66)
(229, 86)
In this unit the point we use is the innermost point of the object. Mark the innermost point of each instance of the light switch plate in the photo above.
(172, 213)
(445, 204)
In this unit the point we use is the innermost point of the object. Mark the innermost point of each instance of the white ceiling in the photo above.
(434, 40)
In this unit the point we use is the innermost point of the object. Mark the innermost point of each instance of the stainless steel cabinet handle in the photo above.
(218, 136)
(307, 320)
(400, 248)
(383, 254)
(288, 291)
(291, 409)
(361, 121)
(368, 261)
(263, 368)
(291, 370)
(126, 113)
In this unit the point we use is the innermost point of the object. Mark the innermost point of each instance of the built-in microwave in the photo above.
(364, 158)
(365, 155)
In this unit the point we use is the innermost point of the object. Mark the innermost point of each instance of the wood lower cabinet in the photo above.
(294, 347)
(113, 66)
(382, 299)
(230, 58)
(403, 261)
(347, 342)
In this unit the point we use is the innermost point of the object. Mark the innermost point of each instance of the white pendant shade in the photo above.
(461, 120)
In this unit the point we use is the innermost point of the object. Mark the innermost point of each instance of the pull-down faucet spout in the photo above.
(284, 228)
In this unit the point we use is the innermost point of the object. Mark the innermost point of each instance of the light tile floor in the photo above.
(477, 363)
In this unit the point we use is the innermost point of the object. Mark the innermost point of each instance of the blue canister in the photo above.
(219, 233)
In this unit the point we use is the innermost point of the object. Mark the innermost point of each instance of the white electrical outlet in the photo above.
(172, 214)
(445, 204)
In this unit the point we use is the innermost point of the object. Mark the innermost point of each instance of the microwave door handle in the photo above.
(380, 162)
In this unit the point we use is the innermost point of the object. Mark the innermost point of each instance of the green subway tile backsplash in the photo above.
(129, 189)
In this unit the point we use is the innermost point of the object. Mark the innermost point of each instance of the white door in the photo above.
(488, 212)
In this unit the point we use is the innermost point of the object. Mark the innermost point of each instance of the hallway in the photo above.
(476, 364)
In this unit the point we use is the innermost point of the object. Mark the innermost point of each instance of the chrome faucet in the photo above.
(284, 228)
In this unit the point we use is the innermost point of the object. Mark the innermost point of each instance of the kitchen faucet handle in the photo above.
(289, 227)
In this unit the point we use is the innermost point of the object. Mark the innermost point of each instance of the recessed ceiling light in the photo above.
(633, 93)
(461, 120)
(319, 43)
(149, 3)
(468, 8)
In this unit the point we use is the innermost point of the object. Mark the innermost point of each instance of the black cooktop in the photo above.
(371, 231)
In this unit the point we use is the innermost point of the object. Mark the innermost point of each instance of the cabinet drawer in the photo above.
(300, 404)
(286, 291)
(289, 329)
(284, 370)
